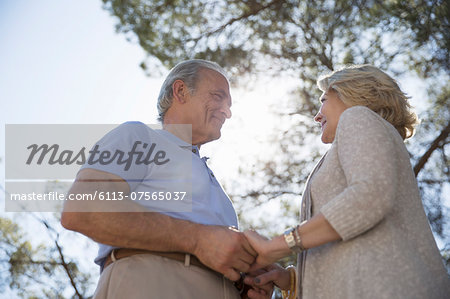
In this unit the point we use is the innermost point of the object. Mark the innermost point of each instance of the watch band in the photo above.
(293, 240)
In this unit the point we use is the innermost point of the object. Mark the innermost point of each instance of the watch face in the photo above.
(289, 237)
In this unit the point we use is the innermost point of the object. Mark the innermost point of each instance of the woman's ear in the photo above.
(180, 91)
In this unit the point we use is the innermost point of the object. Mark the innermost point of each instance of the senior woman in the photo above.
(363, 231)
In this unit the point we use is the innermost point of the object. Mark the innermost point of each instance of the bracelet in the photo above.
(292, 292)
(298, 240)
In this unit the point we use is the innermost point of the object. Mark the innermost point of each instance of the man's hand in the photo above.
(224, 250)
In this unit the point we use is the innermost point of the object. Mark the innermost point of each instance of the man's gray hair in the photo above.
(187, 71)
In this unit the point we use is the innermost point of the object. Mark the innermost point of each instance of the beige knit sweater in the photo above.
(366, 189)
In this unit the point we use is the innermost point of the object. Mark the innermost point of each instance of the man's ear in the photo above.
(180, 91)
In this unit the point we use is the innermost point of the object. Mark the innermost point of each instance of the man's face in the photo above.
(209, 106)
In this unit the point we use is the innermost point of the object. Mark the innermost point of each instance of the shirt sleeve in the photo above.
(366, 152)
(118, 153)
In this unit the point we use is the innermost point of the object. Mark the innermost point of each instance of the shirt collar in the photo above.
(181, 143)
(174, 138)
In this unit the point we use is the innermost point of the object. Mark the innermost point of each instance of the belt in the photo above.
(185, 258)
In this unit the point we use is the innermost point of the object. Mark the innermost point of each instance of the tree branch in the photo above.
(237, 19)
(66, 268)
(63, 263)
(273, 194)
(434, 145)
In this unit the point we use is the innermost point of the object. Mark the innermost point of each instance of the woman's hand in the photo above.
(260, 290)
(265, 278)
(269, 251)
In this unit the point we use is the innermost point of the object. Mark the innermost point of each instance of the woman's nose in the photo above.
(318, 117)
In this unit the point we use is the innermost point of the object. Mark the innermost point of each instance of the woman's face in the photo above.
(329, 113)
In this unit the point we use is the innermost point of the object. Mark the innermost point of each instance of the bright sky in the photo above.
(62, 62)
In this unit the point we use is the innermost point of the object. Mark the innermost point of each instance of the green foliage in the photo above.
(37, 271)
(429, 27)
(162, 26)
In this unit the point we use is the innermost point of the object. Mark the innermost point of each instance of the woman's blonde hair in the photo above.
(366, 85)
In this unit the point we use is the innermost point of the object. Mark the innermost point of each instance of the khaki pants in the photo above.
(149, 276)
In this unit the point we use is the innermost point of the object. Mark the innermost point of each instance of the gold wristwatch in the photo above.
(293, 240)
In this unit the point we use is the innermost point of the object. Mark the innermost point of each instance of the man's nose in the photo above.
(227, 111)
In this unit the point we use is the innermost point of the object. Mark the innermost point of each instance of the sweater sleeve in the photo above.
(365, 148)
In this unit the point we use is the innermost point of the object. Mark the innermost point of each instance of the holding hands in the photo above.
(263, 273)
(225, 250)
(269, 251)
(228, 251)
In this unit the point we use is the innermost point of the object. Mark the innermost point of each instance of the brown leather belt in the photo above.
(177, 256)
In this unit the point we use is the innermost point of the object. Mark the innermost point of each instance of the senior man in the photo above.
(167, 254)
